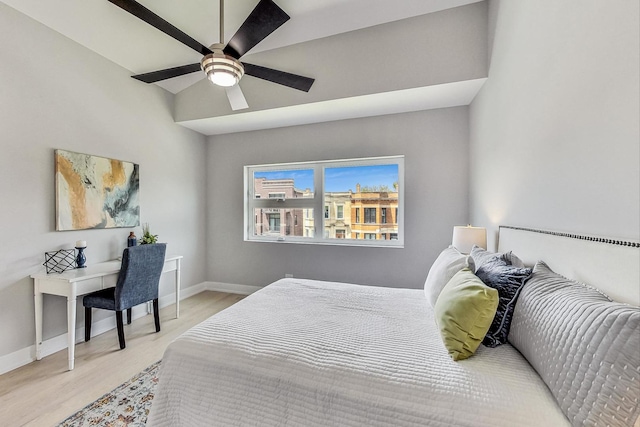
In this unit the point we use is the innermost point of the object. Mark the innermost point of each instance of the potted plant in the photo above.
(147, 237)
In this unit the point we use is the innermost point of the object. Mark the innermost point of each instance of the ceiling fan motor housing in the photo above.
(221, 69)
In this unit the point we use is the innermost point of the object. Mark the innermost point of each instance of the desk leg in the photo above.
(37, 298)
(178, 288)
(71, 329)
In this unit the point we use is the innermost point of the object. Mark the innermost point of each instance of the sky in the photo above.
(341, 178)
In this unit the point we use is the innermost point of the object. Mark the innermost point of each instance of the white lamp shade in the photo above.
(464, 237)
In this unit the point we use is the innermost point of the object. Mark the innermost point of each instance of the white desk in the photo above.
(73, 283)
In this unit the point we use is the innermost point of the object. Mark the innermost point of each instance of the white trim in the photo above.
(19, 358)
(231, 288)
(26, 355)
(169, 299)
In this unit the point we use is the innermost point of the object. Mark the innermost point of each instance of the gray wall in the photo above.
(435, 145)
(56, 94)
(554, 132)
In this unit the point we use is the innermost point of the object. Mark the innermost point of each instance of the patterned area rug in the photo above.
(127, 405)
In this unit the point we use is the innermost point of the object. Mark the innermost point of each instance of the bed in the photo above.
(311, 353)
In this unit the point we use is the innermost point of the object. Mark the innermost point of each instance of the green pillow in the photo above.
(464, 312)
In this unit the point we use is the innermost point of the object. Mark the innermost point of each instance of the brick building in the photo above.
(374, 214)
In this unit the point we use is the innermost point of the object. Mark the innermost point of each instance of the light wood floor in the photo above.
(44, 393)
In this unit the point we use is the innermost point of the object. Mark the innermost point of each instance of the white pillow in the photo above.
(448, 263)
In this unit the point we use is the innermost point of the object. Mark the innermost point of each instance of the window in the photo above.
(354, 197)
(369, 215)
(274, 222)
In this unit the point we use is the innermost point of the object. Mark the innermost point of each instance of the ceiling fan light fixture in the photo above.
(222, 70)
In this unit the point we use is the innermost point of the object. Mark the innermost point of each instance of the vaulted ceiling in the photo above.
(369, 57)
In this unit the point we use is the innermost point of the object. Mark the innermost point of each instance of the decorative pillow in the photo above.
(464, 311)
(584, 346)
(508, 281)
(481, 256)
(448, 263)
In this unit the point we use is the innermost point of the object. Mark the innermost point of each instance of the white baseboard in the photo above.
(231, 288)
(169, 299)
(19, 358)
(27, 355)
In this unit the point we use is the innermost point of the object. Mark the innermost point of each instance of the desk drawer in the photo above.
(87, 286)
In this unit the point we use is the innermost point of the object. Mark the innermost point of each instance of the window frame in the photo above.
(317, 202)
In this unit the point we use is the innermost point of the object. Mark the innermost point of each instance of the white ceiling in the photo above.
(133, 44)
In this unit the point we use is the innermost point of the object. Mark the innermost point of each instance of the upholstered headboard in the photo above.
(611, 265)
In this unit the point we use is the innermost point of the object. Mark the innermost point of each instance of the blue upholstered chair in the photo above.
(137, 283)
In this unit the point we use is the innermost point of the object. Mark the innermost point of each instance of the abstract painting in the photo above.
(95, 192)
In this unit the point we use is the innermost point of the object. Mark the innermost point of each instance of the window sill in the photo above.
(328, 243)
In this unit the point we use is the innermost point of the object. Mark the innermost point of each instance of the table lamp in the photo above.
(464, 237)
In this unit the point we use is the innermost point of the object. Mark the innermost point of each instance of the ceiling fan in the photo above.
(221, 63)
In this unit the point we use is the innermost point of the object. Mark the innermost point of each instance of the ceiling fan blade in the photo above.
(154, 20)
(265, 18)
(236, 97)
(286, 79)
(156, 76)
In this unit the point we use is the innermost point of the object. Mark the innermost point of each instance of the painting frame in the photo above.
(94, 192)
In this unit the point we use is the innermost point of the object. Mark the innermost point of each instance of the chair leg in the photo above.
(156, 314)
(120, 329)
(129, 316)
(87, 323)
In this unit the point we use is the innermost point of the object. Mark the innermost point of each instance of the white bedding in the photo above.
(309, 353)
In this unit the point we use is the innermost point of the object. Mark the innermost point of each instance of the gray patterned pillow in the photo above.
(481, 256)
(508, 280)
(585, 347)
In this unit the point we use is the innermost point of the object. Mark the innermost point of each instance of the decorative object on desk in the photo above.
(132, 240)
(128, 404)
(81, 259)
(59, 261)
(147, 237)
(465, 237)
(95, 192)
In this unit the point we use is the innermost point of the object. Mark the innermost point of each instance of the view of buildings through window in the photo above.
(359, 202)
